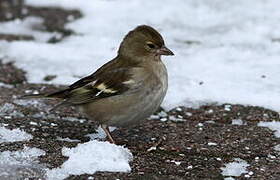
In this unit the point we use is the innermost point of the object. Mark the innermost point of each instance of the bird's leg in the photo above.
(107, 131)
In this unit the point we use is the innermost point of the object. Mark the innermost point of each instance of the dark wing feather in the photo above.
(105, 82)
(94, 76)
(110, 84)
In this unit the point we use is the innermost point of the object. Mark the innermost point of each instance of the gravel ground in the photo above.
(190, 143)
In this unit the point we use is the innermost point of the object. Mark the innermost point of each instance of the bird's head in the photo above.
(143, 42)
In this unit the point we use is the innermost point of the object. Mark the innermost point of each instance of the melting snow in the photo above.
(274, 126)
(7, 135)
(68, 139)
(277, 148)
(5, 85)
(30, 103)
(100, 134)
(8, 110)
(238, 122)
(21, 164)
(91, 157)
(235, 168)
(26, 27)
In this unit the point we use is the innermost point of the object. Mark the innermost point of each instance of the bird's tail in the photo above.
(63, 94)
(30, 96)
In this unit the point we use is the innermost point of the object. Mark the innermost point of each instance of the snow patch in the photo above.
(31, 103)
(100, 134)
(7, 135)
(21, 164)
(91, 157)
(238, 122)
(67, 139)
(274, 126)
(277, 148)
(26, 26)
(8, 111)
(235, 168)
(5, 85)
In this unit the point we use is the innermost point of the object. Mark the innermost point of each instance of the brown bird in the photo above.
(127, 89)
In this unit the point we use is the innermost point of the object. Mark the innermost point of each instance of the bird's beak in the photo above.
(165, 51)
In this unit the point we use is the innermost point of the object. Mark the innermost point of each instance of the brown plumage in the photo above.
(128, 88)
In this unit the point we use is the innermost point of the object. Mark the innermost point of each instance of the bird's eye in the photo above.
(151, 45)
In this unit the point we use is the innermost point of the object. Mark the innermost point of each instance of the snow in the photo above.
(100, 134)
(226, 51)
(91, 157)
(21, 164)
(5, 85)
(179, 118)
(88, 158)
(277, 148)
(211, 144)
(238, 122)
(67, 139)
(229, 178)
(274, 126)
(25, 26)
(235, 168)
(9, 110)
(31, 103)
(7, 135)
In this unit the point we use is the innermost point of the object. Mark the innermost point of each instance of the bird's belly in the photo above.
(127, 110)
(140, 111)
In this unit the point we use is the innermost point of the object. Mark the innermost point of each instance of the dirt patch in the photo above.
(54, 19)
(10, 74)
(10, 10)
(12, 37)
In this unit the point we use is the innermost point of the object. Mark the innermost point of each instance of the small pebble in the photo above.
(53, 124)
(154, 117)
(176, 162)
(200, 124)
(227, 107)
(162, 114)
(153, 148)
(179, 109)
(180, 117)
(212, 144)
(33, 123)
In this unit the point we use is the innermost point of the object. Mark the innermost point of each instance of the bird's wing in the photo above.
(103, 83)
(101, 86)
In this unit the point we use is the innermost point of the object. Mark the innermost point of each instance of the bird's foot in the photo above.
(109, 136)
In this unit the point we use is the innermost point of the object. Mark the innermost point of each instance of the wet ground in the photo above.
(189, 143)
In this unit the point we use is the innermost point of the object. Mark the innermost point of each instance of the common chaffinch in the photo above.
(127, 89)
